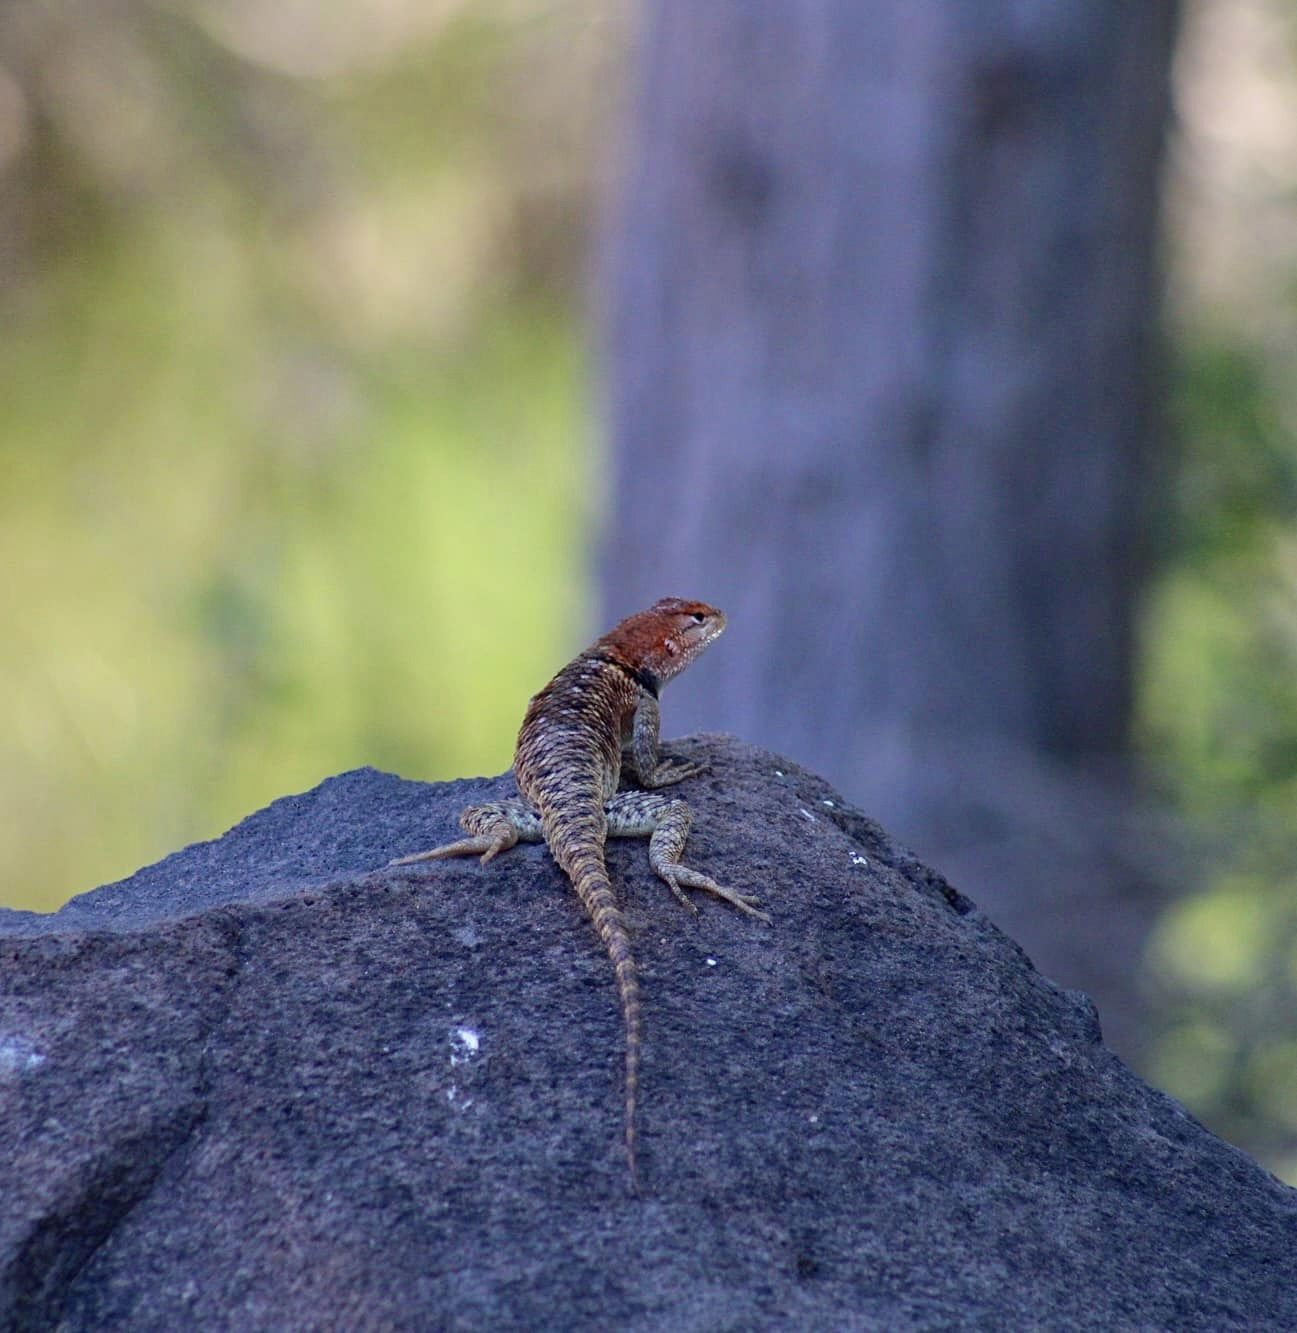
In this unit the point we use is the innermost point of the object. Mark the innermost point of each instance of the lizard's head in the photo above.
(668, 636)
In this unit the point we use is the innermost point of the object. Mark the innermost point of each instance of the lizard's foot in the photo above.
(671, 771)
(672, 879)
(676, 875)
(494, 829)
(665, 822)
(486, 847)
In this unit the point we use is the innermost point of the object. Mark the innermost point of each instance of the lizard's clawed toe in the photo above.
(680, 896)
(745, 902)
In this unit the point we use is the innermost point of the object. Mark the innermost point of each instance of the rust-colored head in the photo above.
(664, 639)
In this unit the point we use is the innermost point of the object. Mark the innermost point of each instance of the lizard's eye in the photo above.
(698, 617)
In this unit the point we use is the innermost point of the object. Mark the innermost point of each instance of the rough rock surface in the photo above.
(260, 1085)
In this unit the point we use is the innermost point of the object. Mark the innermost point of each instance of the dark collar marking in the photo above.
(641, 675)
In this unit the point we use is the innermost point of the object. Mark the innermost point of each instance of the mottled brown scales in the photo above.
(595, 720)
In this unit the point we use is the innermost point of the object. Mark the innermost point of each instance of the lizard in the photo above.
(597, 717)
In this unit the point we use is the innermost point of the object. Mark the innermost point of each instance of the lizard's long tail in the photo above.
(582, 858)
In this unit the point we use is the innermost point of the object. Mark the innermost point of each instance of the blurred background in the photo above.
(358, 363)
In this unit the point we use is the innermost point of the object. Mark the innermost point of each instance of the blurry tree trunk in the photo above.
(882, 363)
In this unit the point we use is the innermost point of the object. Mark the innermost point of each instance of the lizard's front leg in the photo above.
(665, 821)
(494, 829)
(649, 769)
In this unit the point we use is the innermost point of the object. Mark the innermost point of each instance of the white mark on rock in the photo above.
(18, 1055)
(779, 773)
(464, 1043)
(464, 1046)
(859, 860)
(711, 962)
(806, 814)
(827, 802)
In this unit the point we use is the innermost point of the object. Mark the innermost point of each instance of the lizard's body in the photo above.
(598, 714)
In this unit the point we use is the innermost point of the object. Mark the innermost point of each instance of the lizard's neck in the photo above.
(640, 674)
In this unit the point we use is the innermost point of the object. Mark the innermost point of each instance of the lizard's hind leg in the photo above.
(493, 828)
(665, 822)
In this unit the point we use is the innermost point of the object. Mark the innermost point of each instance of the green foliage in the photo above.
(1219, 725)
(216, 598)
(1237, 472)
(294, 453)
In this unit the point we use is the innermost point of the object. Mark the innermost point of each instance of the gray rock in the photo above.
(263, 1085)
